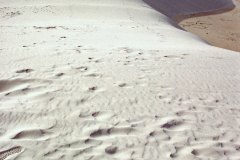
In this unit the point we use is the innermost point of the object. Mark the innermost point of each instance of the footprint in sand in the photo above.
(82, 68)
(173, 57)
(24, 71)
(111, 150)
(95, 114)
(112, 131)
(171, 124)
(92, 89)
(176, 56)
(94, 75)
(122, 85)
(30, 134)
(6, 85)
(90, 58)
(78, 50)
(99, 132)
(59, 74)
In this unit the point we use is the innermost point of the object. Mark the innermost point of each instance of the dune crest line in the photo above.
(215, 21)
(180, 9)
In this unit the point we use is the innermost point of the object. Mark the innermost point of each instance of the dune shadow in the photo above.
(180, 9)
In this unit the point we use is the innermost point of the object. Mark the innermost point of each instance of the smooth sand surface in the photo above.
(221, 30)
(112, 80)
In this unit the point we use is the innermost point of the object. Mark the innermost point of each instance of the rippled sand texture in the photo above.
(112, 80)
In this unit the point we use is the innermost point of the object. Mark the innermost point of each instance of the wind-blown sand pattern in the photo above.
(105, 79)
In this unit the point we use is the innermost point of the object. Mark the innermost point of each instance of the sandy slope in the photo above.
(220, 30)
(107, 79)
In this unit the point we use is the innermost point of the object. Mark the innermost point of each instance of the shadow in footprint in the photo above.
(59, 74)
(92, 89)
(171, 124)
(30, 134)
(122, 85)
(24, 71)
(111, 150)
(11, 84)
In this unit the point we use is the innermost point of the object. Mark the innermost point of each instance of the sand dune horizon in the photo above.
(217, 21)
(114, 80)
(178, 9)
(219, 29)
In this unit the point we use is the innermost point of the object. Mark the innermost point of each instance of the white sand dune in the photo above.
(106, 79)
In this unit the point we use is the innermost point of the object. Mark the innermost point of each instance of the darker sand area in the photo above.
(221, 30)
(215, 21)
